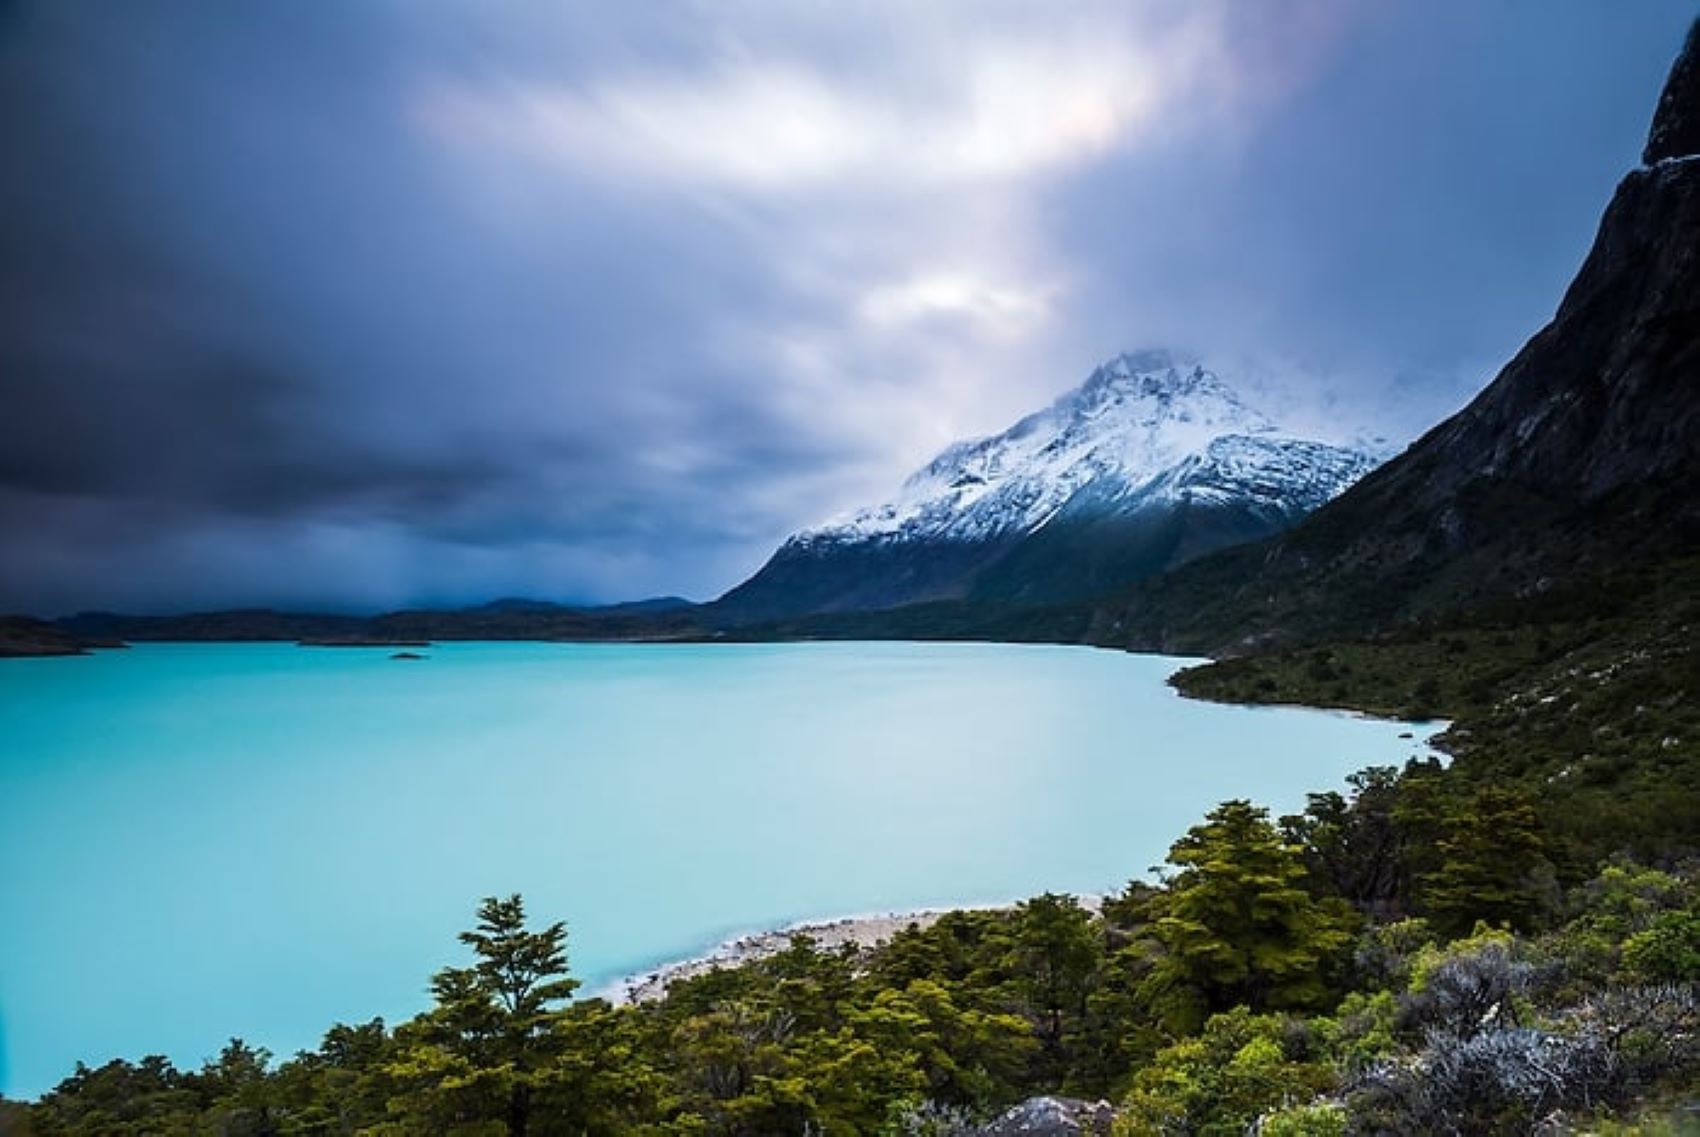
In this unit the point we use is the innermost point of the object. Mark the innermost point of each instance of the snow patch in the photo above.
(1145, 428)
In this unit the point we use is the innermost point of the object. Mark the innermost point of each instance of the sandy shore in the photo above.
(863, 931)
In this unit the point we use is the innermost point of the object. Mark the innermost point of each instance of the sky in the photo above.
(360, 305)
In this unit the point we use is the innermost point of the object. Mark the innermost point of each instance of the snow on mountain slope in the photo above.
(1145, 428)
(1151, 462)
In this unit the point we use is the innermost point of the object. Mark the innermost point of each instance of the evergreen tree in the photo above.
(1239, 926)
(486, 1051)
(1352, 845)
(1057, 952)
(1492, 866)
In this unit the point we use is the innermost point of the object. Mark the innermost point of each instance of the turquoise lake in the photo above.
(199, 841)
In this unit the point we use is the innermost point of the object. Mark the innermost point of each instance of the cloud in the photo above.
(1006, 307)
(1012, 107)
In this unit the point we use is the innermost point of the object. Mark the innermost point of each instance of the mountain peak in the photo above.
(1151, 461)
(1136, 416)
(1152, 371)
(1676, 123)
(1146, 389)
(1147, 361)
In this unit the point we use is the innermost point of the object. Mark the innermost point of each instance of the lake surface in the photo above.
(199, 841)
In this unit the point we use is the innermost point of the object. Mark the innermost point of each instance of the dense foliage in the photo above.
(1582, 697)
(1315, 974)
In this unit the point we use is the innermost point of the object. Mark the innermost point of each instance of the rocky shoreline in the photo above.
(863, 931)
(828, 935)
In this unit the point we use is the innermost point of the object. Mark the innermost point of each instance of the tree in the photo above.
(967, 1057)
(1056, 953)
(519, 972)
(1492, 864)
(1240, 926)
(1351, 844)
(342, 1087)
(238, 1086)
(488, 1045)
(1219, 1081)
(1667, 952)
(119, 1099)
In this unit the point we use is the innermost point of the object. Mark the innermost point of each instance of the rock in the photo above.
(407, 655)
(1053, 1117)
(1676, 124)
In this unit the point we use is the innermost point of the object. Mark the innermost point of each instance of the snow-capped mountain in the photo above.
(1152, 461)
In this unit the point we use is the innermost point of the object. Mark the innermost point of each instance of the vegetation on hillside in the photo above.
(1583, 696)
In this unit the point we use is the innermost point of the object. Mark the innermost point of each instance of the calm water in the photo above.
(207, 840)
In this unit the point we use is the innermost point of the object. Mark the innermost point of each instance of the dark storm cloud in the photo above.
(372, 304)
(237, 294)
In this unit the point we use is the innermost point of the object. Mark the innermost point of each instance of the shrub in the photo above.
(1669, 951)
(1466, 987)
(1319, 1119)
(1494, 1081)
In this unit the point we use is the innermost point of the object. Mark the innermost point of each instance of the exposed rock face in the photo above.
(1605, 396)
(1583, 454)
(1053, 1117)
(1676, 124)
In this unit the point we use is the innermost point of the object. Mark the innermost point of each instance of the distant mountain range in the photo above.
(509, 619)
(1153, 461)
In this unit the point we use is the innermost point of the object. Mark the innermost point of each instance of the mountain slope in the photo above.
(1580, 457)
(1151, 462)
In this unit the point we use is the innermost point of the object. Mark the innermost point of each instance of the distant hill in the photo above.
(25, 636)
(515, 604)
(503, 620)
